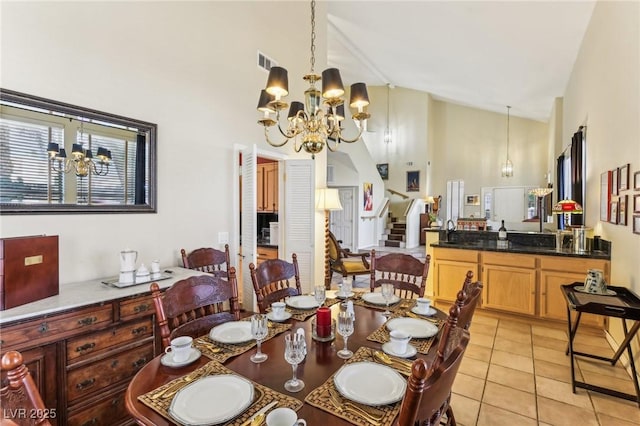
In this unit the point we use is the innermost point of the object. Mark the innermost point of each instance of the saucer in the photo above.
(344, 296)
(411, 351)
(286, 316)
(167, 359)
(431, 311)
(580, 288)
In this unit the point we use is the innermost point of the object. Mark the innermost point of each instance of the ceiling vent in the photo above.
(265, 62)
(330, 174)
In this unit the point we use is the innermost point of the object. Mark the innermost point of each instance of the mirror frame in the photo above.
(150, 128)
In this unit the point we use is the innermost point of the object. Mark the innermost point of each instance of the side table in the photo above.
(624, 304)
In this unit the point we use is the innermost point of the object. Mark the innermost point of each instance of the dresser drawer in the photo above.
(509, 259)
(136, 308)
(108, 410)
(49, 329)
(98, 375)
(95, 343)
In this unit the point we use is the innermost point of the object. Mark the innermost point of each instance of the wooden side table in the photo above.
(624, 304)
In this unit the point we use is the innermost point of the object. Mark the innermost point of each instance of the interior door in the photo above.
(341, 221)
(249, 231)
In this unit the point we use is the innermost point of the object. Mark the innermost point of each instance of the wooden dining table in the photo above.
(320, 363)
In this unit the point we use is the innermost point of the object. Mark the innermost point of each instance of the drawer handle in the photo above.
(141, 308)
(139, 330)
(139, 363)
(85, 347)
(93, 421)
(85, 384)
(44, 327)
(88, 321)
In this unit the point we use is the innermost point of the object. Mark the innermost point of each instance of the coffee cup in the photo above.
(422, 305)
(284, 417)
(180, 348)
(399, 341)
(278, 310)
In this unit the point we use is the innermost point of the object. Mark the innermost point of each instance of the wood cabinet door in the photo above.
(260, 188)
(509, 289)
(449, 277)
(270, 177)
(552, 302)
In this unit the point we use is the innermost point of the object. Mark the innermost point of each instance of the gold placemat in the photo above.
(393, 307)
(303, 314)
(263, 395)
(381, 335)
(320, 398)
(223, 351)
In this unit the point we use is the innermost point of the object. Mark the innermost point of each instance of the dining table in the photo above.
(319, 366)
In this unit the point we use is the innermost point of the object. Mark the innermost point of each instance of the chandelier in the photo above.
(81, 161)
(507, 167)
(315, 123)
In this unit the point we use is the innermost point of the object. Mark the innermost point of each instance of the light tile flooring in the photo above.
(516, 373)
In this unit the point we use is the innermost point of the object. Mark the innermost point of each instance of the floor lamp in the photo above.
(327, 199)
(540, 193)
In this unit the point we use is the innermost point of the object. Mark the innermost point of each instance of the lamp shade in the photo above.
(278, 82)
(53, 148)
(332, 86)
(359, 96)
(328, 199)
(429, 199)
(294, 108)
(263, 102)
(541, 192)
(567, 206)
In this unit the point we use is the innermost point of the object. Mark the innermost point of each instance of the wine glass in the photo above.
(345, 329)
(387, 294)
(259, 330)
(294, 351)
(320, 294)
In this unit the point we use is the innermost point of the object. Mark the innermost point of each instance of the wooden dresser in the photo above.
(82, 358)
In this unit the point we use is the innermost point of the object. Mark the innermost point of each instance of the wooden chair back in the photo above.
(407, 274)
(20, 398)
(273, 280)
(344, 262)
(209, 260)
(428, 393)
(467, 300)
(191, 307)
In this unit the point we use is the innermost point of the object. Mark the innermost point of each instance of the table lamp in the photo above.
(327, 199)
(540, 193)
(567, 208)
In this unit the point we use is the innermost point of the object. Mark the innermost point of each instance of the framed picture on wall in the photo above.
(636, 203)
(613, 212)
(614, 181)
(383, 169)
(367, 192)
(636, 181)
(413, 181)
(636, 224)
(622, 210)
(472, 200)
(605, 195)
(623, 184)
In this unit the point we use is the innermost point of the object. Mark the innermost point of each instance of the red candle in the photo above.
(323, 322)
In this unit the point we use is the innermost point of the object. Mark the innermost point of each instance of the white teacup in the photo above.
(180, 348)
(284, 417)
(422, 305)
(278, 309)
(155, 266)
(399, 341)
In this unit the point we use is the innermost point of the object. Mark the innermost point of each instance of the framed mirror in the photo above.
(61, 158)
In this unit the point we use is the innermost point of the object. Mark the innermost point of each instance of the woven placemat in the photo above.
(319, 397)
(223, 351)
(262, 396)
(303, 314)
(381, 335)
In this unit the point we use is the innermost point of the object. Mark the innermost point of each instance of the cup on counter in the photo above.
(155, 266)
(180, 348)
(399, 341)
(422, 305)
(278, 309)
(284, 417)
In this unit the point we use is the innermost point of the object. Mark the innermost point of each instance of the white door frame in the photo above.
(354, 215)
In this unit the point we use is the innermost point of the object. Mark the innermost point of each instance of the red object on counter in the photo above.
(323, 322)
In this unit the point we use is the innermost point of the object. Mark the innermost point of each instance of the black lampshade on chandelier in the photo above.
(81, 161)
(317, 122)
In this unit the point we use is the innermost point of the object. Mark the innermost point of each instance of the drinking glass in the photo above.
(387, 294)
(259, 330)
(294, 351)
(320, 294)
(345, 329)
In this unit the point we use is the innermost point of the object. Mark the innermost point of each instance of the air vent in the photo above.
(265, 62)
(330, 178)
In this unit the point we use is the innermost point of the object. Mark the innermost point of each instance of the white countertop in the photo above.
(85, 293)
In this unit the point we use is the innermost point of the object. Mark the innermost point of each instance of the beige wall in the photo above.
(603, 93)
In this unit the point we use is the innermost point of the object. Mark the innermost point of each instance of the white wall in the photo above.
(190, 68)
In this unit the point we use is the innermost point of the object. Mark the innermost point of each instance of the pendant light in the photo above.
(507, 167)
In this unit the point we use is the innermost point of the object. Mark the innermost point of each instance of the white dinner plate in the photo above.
(284, 317)
(580, 288)
(168, 361)
(411, 351)
(302, 302)
(344, 296)
(212, 400)
(429, 313)
(232, 332)
(415, 327)
(370, 383)
(377, 299)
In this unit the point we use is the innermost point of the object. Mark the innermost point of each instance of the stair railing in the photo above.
(399, 194)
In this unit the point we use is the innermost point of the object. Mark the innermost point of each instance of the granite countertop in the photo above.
(519, 248)
(74, 295)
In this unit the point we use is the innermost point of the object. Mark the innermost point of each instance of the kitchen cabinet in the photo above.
(267, 187)
(509, 282)
(265, 253)
(451, 267)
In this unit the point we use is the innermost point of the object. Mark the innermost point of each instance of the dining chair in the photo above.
(209, 260)
(407, 273)
(272, 281)
(467, 300)
(194, 305)
(427, 399)
(21, 394)
(344, 262)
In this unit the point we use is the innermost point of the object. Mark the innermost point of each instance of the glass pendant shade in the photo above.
(332, 86)
(507, 169)
(388, 136)
(359, 96)
(278, 82)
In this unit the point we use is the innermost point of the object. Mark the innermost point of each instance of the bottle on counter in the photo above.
(502, 232)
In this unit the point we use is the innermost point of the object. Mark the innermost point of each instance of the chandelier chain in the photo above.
(313, 35)
(508, 116)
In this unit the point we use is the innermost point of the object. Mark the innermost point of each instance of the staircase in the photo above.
(394, 235)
